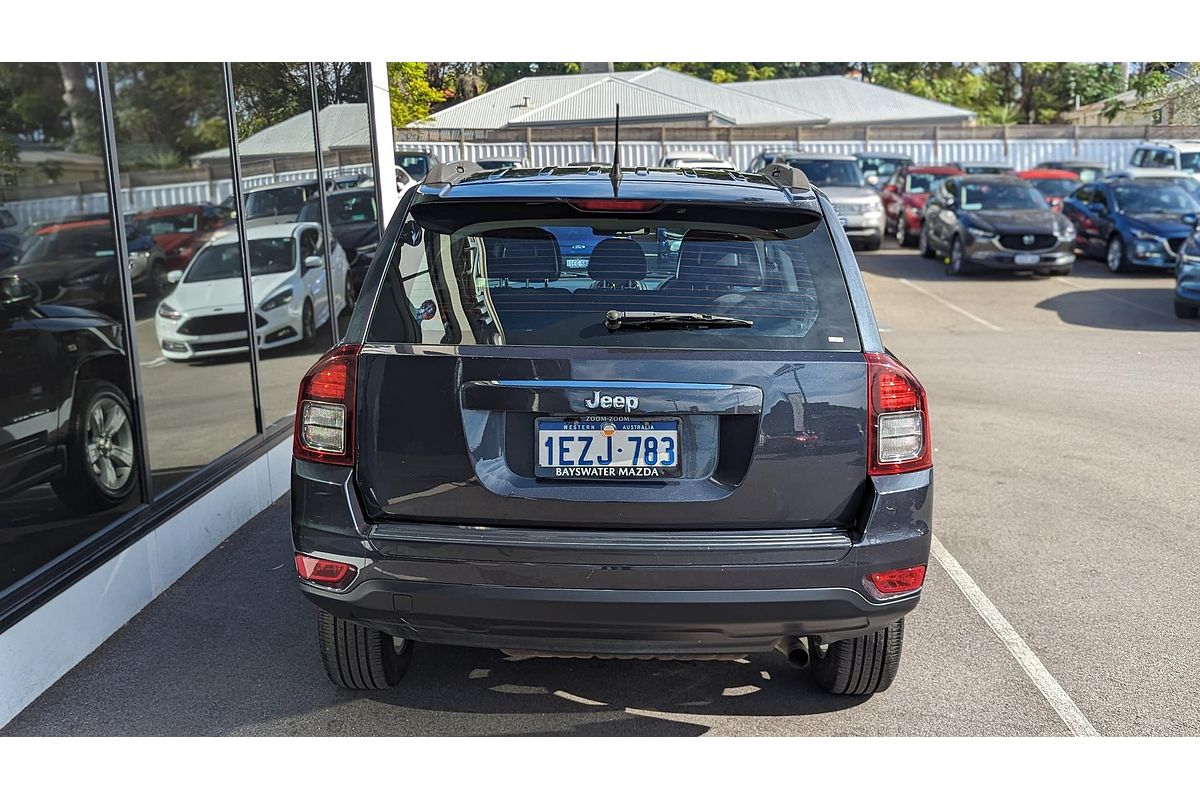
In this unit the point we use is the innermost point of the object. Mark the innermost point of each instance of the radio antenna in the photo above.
(615, 175)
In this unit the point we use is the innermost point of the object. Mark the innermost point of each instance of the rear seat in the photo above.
(524, 261)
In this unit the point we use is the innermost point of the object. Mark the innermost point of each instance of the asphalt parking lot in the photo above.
(1061, 600)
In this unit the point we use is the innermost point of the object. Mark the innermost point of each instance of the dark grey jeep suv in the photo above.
(685, 440)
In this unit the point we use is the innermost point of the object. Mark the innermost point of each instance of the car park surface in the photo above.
(1034, 505)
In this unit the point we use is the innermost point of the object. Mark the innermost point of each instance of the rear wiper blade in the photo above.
(615, 320)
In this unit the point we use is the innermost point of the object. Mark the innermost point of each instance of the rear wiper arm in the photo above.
(615, 320)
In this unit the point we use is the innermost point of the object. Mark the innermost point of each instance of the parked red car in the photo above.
(181, 230)
(1053, 184)
(904, 199)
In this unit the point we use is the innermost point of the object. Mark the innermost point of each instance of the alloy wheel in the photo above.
(108, 443)
(1115, 255)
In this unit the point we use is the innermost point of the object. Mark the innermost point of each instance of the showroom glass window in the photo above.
(173, 150)
(278, 160)
(69, 443)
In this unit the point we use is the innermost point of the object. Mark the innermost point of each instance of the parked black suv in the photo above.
(64, 416)
(695, 454)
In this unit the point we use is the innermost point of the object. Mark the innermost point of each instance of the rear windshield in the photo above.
(553, 282)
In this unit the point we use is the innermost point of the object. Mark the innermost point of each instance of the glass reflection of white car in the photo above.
(204, 315)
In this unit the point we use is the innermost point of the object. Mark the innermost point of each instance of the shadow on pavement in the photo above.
(231, 649)
(1119, 309)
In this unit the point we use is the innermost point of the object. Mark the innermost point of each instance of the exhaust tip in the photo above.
(795, 651)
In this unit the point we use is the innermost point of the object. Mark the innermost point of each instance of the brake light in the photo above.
(898, 433)
(897, 581)
(333, 574)
(325, 409)
(616, 205)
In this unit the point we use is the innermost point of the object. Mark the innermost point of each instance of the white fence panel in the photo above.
(144, 198)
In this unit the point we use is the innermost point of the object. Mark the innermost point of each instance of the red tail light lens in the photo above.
(325, 409)
(898, 581)
(898, 433)
(333, 574)
(616, 205)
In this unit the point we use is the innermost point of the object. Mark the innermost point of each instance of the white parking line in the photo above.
(950, 305)
(1050, 688)
(1152, 310)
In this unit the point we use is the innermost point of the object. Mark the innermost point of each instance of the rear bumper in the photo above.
(625, 592)
(607, 621)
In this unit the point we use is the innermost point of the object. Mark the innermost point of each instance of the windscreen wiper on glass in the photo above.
(616, 320)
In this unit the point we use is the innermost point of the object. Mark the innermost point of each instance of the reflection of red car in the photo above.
(904, 199)
(181, 230)
(1053, 184)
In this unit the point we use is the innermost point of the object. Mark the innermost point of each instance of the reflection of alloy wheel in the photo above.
(1114, 257)
(308, 326)
(101, 460)
(159, 286)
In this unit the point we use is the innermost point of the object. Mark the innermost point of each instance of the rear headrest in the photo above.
(714, 259)
(522, 254)
(617, 261)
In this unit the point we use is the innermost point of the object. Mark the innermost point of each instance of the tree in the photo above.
(412, 95)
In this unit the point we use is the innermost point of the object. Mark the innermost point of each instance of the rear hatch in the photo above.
(499, 386)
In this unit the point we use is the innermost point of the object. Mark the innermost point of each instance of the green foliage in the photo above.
(412, 95)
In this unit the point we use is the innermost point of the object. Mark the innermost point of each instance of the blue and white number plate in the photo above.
(606, 447)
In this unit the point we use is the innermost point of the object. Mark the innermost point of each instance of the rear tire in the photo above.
(308, 325)
(862, 665)
(903, 237)
(1186, 311)
(360, 658)
(957, 265)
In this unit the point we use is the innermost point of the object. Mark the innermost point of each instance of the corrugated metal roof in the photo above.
(342, 125)
(845, 101)
(745, 108)
(525, 102)
(595, 103)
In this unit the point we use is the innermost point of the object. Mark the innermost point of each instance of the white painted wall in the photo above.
(44, 646)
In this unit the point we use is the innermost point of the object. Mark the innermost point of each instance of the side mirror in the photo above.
(175, 276)
(1192, 219)
(949, 201)
(18, 296)
(312, 262)
(892, 188)
(410, 233)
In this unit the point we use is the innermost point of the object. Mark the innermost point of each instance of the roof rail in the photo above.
(451, 173)
(786, 177)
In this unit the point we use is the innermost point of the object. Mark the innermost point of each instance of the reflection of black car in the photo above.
(355, 223)
(74, 263)
(64, 418)
(997, 222)
(10, 238)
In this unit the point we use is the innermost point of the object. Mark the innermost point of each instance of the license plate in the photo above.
(1027, 258)
(576, 263)
(606, 447)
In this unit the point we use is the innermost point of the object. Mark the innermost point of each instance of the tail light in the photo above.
(333, 574)
(898, 434)
(325, 409)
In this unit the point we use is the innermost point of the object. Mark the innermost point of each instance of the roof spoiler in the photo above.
(786, 177)
(451, 173)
